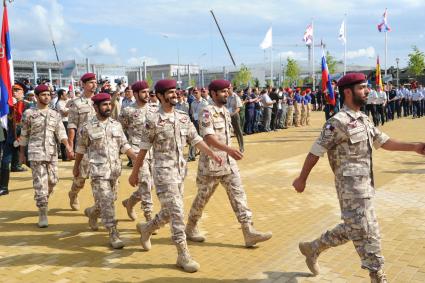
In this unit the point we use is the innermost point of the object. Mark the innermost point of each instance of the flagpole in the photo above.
(345, 44)
(386, 50)
(271, 65)
(312, 59)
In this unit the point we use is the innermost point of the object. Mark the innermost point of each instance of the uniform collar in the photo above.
(354, 114)
(165, 116)
(218, 109)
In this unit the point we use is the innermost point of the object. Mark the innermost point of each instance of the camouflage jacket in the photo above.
(216, 121)
(348, 138)
(80, 111)
(40, 127)
(167, 134)
(103, 141)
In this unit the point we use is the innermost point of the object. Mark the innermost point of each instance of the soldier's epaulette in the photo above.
(181, 112)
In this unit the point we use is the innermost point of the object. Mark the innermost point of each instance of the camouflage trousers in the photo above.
(171, 199)
(290, 116)
(144, 190)
(361, 227)
(105, 194)
(78, 182)
(235, 192)
(45, 177)
(297, 114)
(303, 114)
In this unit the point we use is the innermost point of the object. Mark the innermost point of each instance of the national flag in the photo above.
(341, 35)
(308, 35)
(383, 26)
(268, 40)
(6, 71)
(379, 85)
(326, 81)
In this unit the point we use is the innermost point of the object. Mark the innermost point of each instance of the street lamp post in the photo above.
(397, 60)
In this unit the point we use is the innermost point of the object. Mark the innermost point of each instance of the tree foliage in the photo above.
(416, 63)
(243, 78)
(330, 60)
(292, 71)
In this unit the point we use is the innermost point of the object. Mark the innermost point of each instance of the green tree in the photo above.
(192, 82)
(149, 80)
(242, 78)
(256, 82)
(292, 71)
(416, 63)
(330, 60)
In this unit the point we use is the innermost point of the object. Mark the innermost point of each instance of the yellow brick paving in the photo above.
(67, 251)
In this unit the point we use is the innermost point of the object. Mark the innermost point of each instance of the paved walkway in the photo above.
(67, 251)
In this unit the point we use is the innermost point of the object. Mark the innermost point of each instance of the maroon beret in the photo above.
(139, 85)
(41, 88)
(100, 97)
(219, 85)
(351, 79)
(87, 77)
(163, 85)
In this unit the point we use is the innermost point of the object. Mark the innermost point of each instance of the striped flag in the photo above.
(326, 81)
(6, 71)
(379, 85)
(308, 35)
(383, 26)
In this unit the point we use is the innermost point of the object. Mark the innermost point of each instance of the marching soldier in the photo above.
(297, 107)
(41, 127)
(215, 129)
(102, 139)
(80, 111)
(290, 101)
(348, 138)
(167, 132)
(133, 120)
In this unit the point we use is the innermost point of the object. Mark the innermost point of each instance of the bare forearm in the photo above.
(139, 160)
(309, 163)
(212, 141)
(71, 136)
(394, 145)
(203, 147)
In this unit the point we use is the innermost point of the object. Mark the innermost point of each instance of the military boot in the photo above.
(73, 200)
(378, 277)
(146, 230)
(252, 236)
(184, 260)
(192, 233)
(311, 251)
(42, 217)
(92, 213)
(129, 205)
(148, 217)
(114, 238)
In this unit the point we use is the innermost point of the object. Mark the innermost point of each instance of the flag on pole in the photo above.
(6, 71)
(341, 35)
(268, 40)
(326, 81)
(383, 26)
(308, 35)
(379, 85)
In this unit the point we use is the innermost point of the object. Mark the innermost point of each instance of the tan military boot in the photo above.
(42, 217)
(378, 277)
(193, 234)
(310, 254)
(252, 236)
(184, 260)
(145, 230)
(73, 200)
(92, 213)
(148, 217)
(114, 238)
(129, 205)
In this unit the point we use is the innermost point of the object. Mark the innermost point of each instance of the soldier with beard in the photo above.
(42, 126)
(167, 132)
(347, 138)
(133, 120)
(102, 139)
(80, 111)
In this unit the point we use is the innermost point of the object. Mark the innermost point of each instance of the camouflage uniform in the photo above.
(348, 138)
(133, 121)
(80, 111)
(102, 142)
(167, 134)
(40, 128)
(216, 121)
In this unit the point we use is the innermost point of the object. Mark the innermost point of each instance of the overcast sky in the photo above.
(130, 31)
